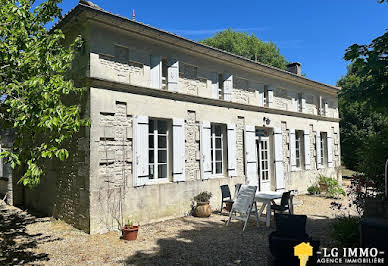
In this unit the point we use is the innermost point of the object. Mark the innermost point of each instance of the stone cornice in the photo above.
(117, 86)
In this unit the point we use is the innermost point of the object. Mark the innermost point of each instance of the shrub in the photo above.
(203, 197)
(333, 189)
(312, 190)
(345, 230)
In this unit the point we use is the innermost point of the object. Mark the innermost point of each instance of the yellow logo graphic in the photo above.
(303, 251)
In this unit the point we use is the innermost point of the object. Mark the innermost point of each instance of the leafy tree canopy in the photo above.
(248, 46)
(33, 66)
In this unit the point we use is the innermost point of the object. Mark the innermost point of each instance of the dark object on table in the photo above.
(290, 231)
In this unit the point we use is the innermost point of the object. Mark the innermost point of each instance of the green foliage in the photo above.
(248, 46)
(363, 110)
(333, 189)
(33, 86)
(345, 230)
(203, 197)
(313, 190)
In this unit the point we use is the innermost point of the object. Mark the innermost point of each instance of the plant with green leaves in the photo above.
(35, 87)
(313, 190)
(249, 46)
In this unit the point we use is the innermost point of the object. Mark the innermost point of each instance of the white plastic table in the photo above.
(266, 197)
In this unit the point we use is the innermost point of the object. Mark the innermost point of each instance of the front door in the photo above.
(263, 163)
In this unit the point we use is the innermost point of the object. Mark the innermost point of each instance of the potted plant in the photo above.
(129, 231)
(322, 183)
(202, 208)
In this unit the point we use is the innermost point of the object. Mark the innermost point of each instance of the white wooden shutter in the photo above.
(173, 74)
(250, 156)
(206, 167)
(303, 103)
(228, 86)
(278, 154)
(329, 150)
(261, 95)
(140, 151)
(295, 103)
(320, 111)
(306, 143)
(326, 111)
(292, 150)
(318, 149)
(214, 77)
(270, 96)
(178, 131)
(156, 72)
(232, 161)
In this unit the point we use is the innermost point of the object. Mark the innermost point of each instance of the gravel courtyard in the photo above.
(25, 239)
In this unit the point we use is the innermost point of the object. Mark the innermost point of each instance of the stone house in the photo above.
(171, 118)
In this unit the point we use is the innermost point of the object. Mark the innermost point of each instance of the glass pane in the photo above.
(262, 165)
(162, 156)
(151, 141)
(218, 155)
(162, 170)
(151, 168)
(162, 142)
(162, 126)
(151, 127)
(219, 168)
(218, 143)
(217, 130)
(151, 155)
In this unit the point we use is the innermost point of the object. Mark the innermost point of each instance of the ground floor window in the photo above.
(217, 148)
(323, 145)
(158, 151)
(298, 148)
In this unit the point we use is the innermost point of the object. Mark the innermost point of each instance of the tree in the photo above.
(34, 66)
(248, 46)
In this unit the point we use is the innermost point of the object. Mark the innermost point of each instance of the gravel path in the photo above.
(25, 239)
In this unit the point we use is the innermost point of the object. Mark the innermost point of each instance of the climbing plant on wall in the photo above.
(34, 64)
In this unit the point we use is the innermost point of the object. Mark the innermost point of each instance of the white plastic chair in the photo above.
(243, 205)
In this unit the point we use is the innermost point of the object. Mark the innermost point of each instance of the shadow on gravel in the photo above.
(211, 243)
(16, 245)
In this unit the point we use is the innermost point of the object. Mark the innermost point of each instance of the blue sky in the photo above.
(312, 32)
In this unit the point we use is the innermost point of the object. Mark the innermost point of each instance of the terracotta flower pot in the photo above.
(130, 233)
(203, 209)
(322, 187)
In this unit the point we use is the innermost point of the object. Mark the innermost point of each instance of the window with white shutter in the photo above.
(173, 74)
(140, 151)
(329, 150)
(251, 173)
(318, 150)
(323, 148)
(278, 154)
(270, 96)
(156, 72)
(232, 161)
(217, 142)
(306, 143)
(303, 103)
(178, 132)
(299, 151)
(292, 149)
(215, 85)
(205, 147)
(228, 86)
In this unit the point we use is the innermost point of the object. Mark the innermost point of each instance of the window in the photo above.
(265, 95)
(299, 103)
(164, 73)
(158, 133)
(220, 86)
(323, 148)
(217, 148)
(298, 148)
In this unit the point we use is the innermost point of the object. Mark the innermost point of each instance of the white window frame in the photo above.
(220, 86)
(298, 149)
(323, 145)
(213, 149)
(156, 150)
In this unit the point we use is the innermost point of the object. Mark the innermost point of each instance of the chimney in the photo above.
(295, 68)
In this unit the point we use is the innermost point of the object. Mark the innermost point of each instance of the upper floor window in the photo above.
(217, 139)
(164, 73)
(265, 96)
(220, 86)
(300, 102)
(158, 150)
